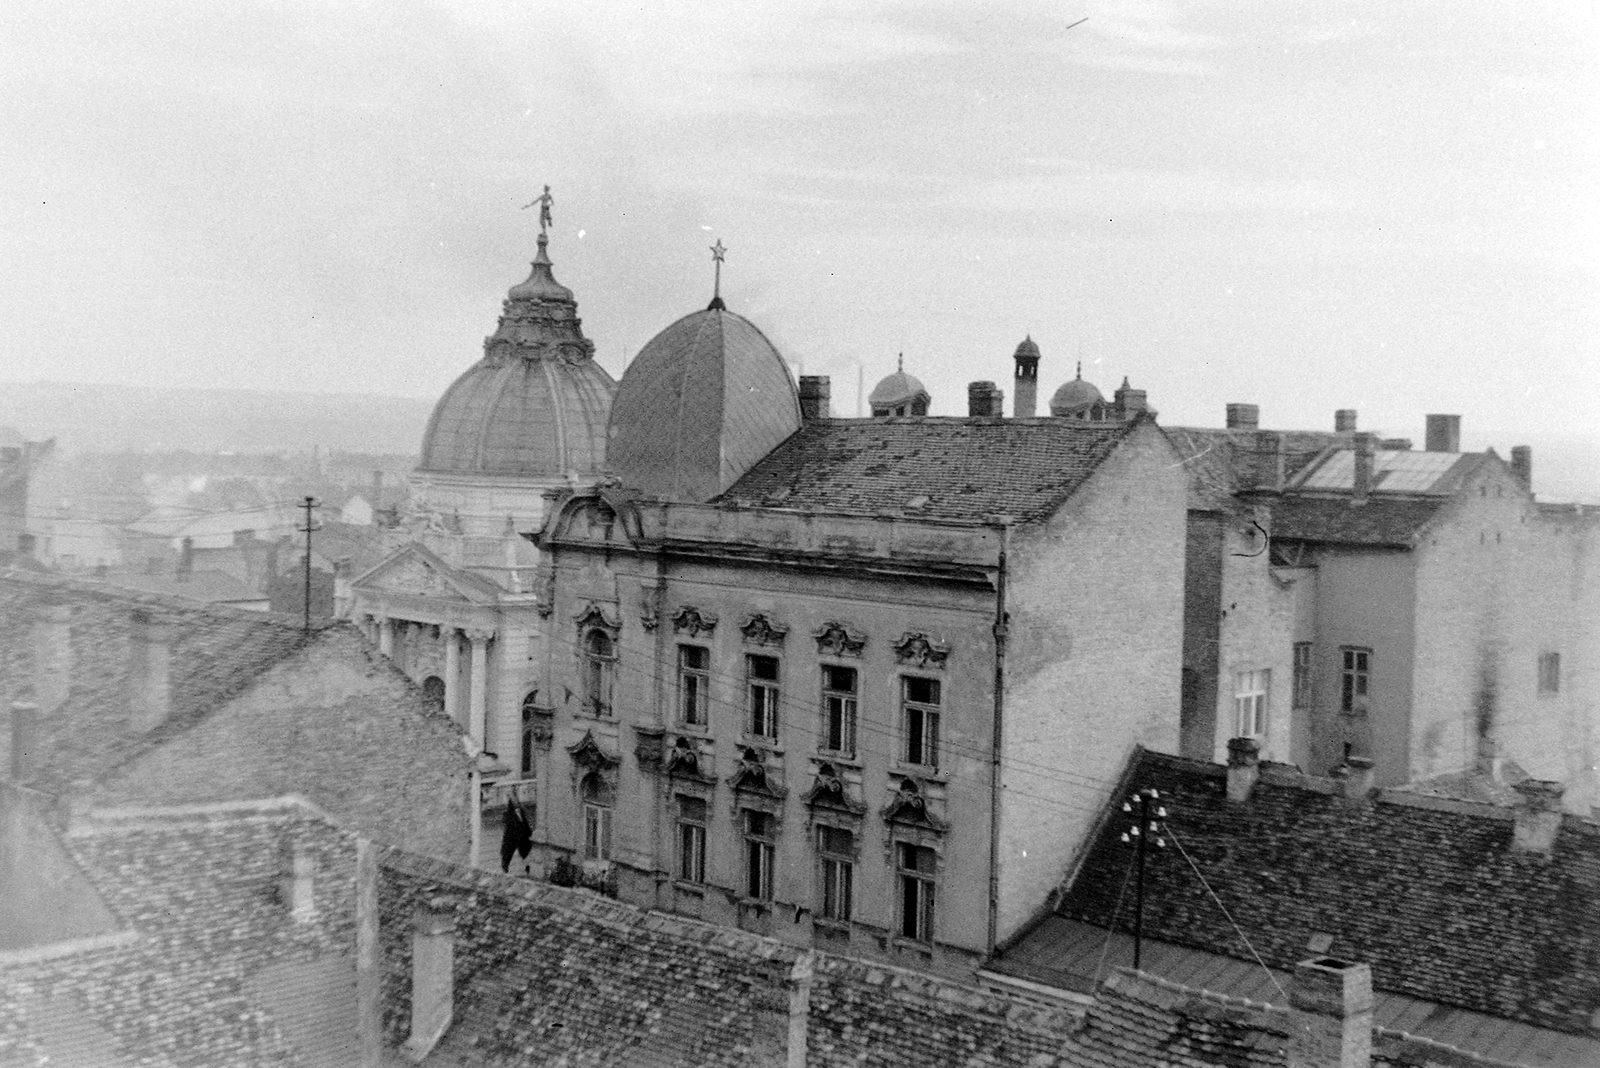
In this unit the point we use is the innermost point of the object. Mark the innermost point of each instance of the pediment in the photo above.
(414, 571)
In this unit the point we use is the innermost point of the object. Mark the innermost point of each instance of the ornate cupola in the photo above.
(899, 394)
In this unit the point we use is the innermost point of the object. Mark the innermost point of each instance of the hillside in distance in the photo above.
(112, 418)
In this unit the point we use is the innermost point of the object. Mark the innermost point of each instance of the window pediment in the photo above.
(829, 790)
(690, 620)
(836, 639)
(759, 630)
(914, 649)
(909, 806)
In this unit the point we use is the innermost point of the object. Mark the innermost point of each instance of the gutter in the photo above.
(1002, 626)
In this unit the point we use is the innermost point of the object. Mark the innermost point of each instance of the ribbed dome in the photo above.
(536, 404)
(1075, 396)
(898, 388)
(702, 402)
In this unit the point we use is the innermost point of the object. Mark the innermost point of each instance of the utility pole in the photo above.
(311, 502)
(1147, 827)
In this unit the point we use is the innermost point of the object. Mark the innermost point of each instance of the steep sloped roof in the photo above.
(1336, 520)
(934, 467)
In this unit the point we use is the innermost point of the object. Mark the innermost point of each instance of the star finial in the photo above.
(900, 364)
(1080, 369)
(717, 254)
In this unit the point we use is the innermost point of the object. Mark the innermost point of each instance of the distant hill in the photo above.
(104, 418)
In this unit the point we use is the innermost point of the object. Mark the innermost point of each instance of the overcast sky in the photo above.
(1384, 206)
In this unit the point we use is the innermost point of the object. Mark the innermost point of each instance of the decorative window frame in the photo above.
(831, 793)
(760, 630)
(691, 621)
(837, 639)
(915, 649)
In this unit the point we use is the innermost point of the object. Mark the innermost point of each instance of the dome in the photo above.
(1026, 347)
(898, 388)
(702, 402)
(1075, 396)
(536, 404)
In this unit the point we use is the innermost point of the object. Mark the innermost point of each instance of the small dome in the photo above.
(898, 388)
(703, 401)
(1027, 347)
(1075, 396)
(536, 404)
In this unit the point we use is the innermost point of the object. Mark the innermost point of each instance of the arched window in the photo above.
(598, 799)
(599, 662)
(433, 687)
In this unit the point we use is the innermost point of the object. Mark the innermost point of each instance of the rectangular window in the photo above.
(760, 853)
(761, 673)
(839, 710)
(915, 866)
(1355, 679)
(1302, 675)
(691, 839)
(1549, 672)
(1250, 690)
(694, 685)
(835, 856)
(596, 832)
(919, 721)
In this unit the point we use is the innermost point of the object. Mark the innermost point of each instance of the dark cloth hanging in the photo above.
(516, 837)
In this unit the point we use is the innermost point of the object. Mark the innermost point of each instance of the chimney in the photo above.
(1344, 421)
(52, 656)
(27, 741)
(1244, 767)
(26, 543)
(985, 399)
(1244, 416)
(369, 958)
(1026, 383)
(186, 559)
(815, 392)
(1443, 433)
(1330, 1014)
(149, 672)
(801, 977)
(296, 884)
(1358, 778)
(1365, 454)
(1522, 465)
(432, 979)
(1130, 402)
(1538, 816)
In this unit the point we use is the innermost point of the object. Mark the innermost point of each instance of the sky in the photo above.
(1373, 205)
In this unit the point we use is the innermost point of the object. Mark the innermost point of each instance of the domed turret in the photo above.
(1078, 400)
(536, 404)
(702, 402)
(899, 394)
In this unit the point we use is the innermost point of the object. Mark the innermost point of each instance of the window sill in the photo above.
(693, 730)
(761, 741)
(686, 887)
(755, 904)
(840, 759)
(922, 949)
(919, 771)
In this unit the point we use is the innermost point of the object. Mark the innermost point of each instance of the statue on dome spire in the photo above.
(717, 254)
(544, 200)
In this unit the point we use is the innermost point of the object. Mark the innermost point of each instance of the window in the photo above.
(597, 801)
(919, 721)
(839, 710)
(1302, 675)
(1250, 703)
(1356, 676)
(915, 867)
(691, 839)
(759, 854)
(835, 853)
(530, 717)
(599, 662)
(433, 690)
(1549, 672)
(761, 673)
(694, 685)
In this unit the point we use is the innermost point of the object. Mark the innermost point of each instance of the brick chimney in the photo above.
(1244, 416)
(815, 394)
(985, 399)
(1522, 465)
(1244, 768)
(26, 742)
(1344, 421)
(1443, 433)
(1026, 383)
(1365, 455)
(1330, 1014)
(1130, 401)
(149, 672)
(432, 979)
(297, 884)
(52, 656)
(1538, 816)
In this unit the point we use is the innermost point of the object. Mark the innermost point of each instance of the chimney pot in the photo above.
(1358, 778)
(432, 979)
(815, 394)
(985, 399)
(1443, 433)
(1344, 421)
(1538, 816)
(1522, 465)
(1330, 1009)
(1244, 760)
(1244, 416)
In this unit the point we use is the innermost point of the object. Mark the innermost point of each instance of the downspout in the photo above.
(1002, 624)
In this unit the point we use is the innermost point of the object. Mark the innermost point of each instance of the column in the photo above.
(452, 672)
(478, 691)
(386, 636)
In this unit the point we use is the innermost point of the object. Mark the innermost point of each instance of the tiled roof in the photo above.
(201, 586)
(1337, 521)
(1426, 890)
(1221, 462)
(931, 467)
